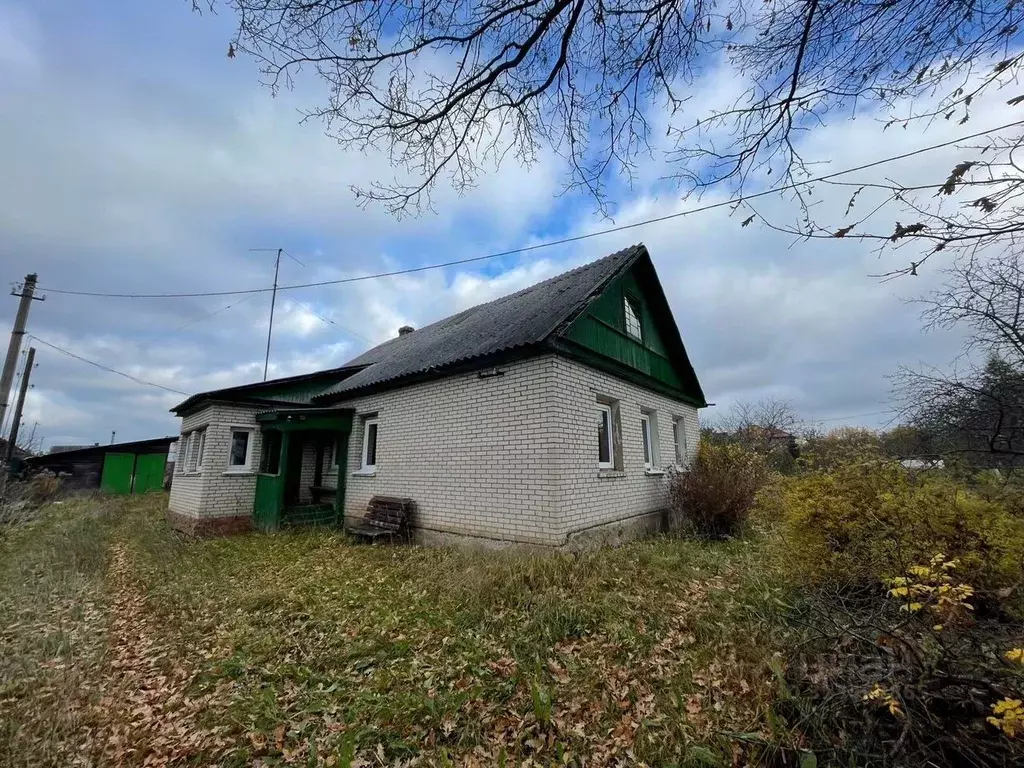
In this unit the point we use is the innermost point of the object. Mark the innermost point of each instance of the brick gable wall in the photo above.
(588, 496)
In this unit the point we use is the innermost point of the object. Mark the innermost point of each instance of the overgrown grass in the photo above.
(51, 630)
(304, 648)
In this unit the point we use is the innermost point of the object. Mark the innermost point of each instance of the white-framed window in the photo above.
(679, 437)
(649, 435)
(369, 444)
(645, 431)
(182, 457)
(632, 311)
(240, 449)
(201, 451)
(605, 443)
(197, 447)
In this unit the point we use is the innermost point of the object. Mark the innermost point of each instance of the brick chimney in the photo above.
(405, 329)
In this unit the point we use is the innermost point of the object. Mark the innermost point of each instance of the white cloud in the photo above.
(161, 179)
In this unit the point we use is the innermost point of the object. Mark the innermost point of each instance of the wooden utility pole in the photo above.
(27, 295)
(26, 374)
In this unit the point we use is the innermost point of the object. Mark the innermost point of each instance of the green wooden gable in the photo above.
(599, 335)
(292, 390)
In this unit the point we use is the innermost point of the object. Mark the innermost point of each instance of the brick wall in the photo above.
(587, 496)
(510, 457)
(472, 452)
(215, 490)
(514, 457)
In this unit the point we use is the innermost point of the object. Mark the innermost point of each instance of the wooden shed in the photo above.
(122, 468)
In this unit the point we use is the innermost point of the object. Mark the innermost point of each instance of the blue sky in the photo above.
(138, 157)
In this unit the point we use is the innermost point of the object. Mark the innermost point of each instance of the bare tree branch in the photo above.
(449, 87)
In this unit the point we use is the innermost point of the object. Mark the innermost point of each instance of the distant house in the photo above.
(770, 439)
(543, 417)
(120, 468)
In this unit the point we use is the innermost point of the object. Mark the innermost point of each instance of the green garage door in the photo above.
(118, 469)
(149, 472)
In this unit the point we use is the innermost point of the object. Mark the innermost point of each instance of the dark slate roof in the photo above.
(135, 446)
(519, 320)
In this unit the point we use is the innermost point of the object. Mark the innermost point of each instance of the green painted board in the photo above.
(118, 469)
(267, 504)
(149, 472)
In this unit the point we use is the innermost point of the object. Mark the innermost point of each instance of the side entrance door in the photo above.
(118, 472)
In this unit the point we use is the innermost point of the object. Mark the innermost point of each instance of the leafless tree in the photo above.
(765, 425)
(977, 407)
(450, 88)
(988, 298)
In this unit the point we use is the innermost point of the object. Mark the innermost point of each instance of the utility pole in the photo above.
(12, 440)
(27, 295)
(273, 300)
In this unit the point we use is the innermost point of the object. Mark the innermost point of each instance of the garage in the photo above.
(122, 469)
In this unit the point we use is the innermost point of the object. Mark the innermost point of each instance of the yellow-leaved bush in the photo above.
(862, 522)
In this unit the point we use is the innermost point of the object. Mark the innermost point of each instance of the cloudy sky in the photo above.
(137, 157)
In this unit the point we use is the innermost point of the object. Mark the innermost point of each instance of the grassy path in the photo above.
(303, 649)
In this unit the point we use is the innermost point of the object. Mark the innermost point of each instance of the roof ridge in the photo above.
(532, 287)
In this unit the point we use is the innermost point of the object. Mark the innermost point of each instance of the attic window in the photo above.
(632, 311)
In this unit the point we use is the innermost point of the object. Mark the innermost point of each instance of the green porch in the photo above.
(301, 478)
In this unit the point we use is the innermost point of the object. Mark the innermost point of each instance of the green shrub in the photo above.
(864, 521)
(714, 496)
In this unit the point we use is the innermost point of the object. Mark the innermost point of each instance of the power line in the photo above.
(106, 368)
(327, 319)
(853, 416)
(275, 250)
(549, 243)
(208, 315)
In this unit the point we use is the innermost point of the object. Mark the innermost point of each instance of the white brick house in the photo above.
(547, 417)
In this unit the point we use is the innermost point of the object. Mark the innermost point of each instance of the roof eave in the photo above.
(466, 365)
(239, 393)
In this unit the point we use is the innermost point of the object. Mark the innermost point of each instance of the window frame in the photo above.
(606, 411)
(680, 446)
(647, 439)
(181, 460)
(247, 466)
(199, 436)
(364, 467)
(631, 306)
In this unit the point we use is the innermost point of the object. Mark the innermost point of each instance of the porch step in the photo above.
(309, 514)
